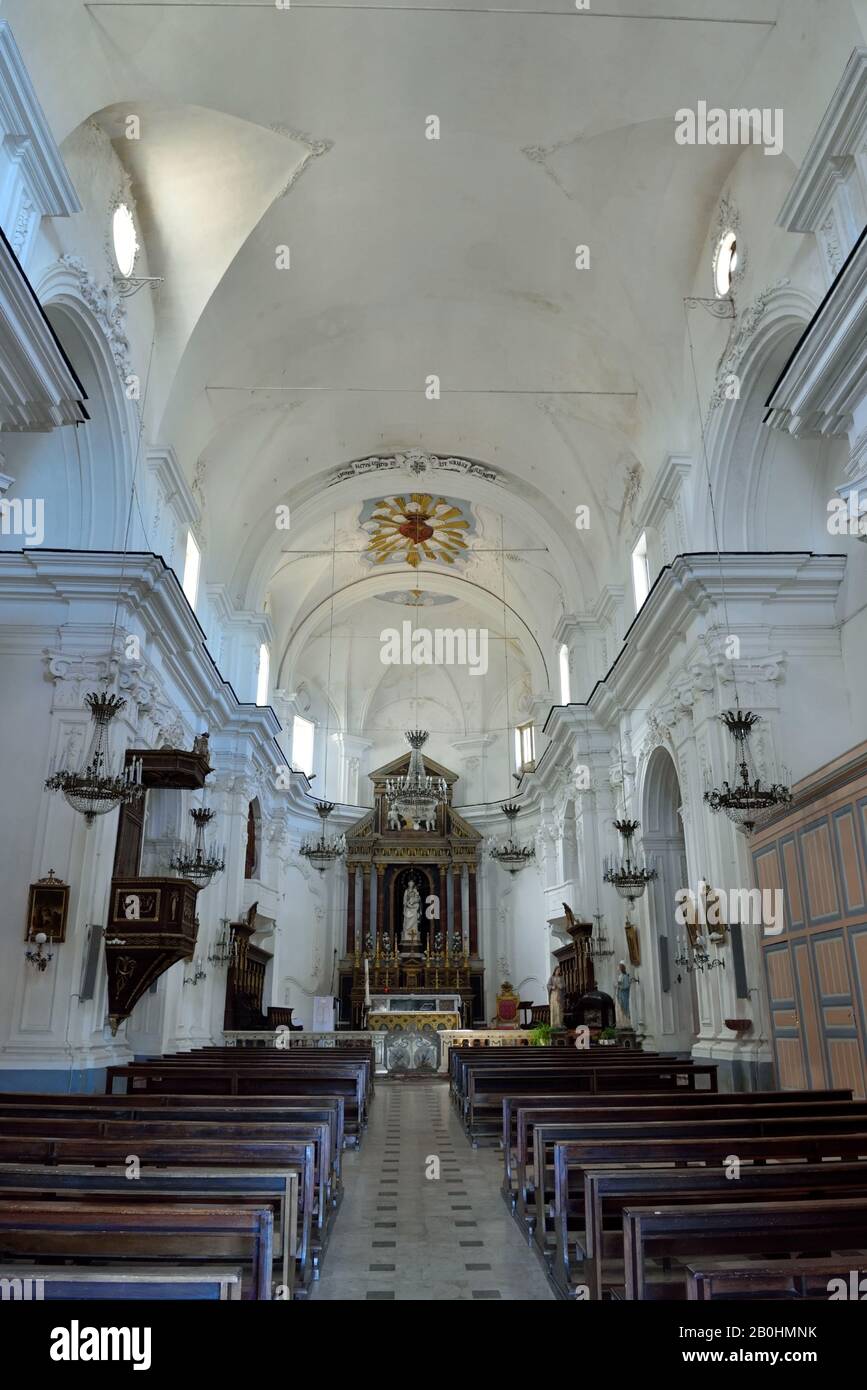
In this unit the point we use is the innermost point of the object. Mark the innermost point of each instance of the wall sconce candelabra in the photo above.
(692, 955)
(198, 973)
(599, 946)
(39, 958)
(222, 949)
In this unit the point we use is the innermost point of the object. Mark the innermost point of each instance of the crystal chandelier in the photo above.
(746, 800)
(628, 876)
(322, 852)
(194, 859)
(95, 789)
(511, 856)
(416, 796)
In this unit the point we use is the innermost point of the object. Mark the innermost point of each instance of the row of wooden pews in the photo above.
(186, 1179)
(638, 1180)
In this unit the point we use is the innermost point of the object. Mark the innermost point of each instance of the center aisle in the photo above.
(403, 1235)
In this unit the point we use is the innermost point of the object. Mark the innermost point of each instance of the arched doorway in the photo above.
(672, 1006)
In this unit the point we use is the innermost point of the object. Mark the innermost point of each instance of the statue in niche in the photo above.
(556, 997)
(622, 986)
(409, 935)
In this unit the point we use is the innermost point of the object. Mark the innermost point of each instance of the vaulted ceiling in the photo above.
(413, 257)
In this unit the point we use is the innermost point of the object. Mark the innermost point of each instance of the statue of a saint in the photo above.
(556, 997)
(622, 986)
(411, 905)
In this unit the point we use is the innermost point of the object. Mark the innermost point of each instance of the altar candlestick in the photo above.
(367, 982)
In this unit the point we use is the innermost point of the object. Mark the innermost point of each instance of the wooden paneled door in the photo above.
(842, 1043)
(785, 1018)
(816, 971)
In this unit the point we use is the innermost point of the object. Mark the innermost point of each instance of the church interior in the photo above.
(433, 605)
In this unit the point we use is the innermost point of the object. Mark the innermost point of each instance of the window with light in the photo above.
(303, 731)
(565, 684)
(124, 240)
(640, 572)
(192, 566)
(525, 747)
(725, 263)
(263, 676)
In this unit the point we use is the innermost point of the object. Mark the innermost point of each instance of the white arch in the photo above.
(787, 311)
(260, 556)
(106, 483)
(489, 604)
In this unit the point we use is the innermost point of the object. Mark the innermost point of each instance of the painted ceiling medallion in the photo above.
(417, 527)
(415, 598)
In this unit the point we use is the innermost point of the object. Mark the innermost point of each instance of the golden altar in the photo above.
(418, 1020)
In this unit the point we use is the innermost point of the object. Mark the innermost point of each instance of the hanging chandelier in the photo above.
(746, 800)
(194, 859)
(95, 789)
(322, 852)
(626, 874)
(511, 856)
(416, 795)
(600, 947)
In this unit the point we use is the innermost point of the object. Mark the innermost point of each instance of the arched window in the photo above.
(525, 747)
(302, 744)
(565, 690)
(640, 571)
(192, 565)
(264, 675)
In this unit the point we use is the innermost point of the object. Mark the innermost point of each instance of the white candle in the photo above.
(367, 981)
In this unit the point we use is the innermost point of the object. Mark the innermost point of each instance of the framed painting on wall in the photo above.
(47, 907)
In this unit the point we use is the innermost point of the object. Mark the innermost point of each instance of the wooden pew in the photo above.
(37, 1232)
(462, 1058)
(572, 1159)
(60, 1126)
(729, 1229)
(734, 1132)
(487, 1089)
(776, 1279)
(273, 1108)
(346, 1079)
(247, 1154)
(111, 1282)
(571, 1122)
(221, 1186)
(637, 1100)
(607, 1192)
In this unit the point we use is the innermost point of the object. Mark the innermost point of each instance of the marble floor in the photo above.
(404, 1232)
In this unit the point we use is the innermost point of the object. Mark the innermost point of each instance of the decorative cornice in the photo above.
(663, 490)
(417, 462)
(24, 127)
(162, 462)
(39, 389)
(825, 379)
(842, 134)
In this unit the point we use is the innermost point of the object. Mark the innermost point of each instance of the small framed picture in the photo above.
(47, 908)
